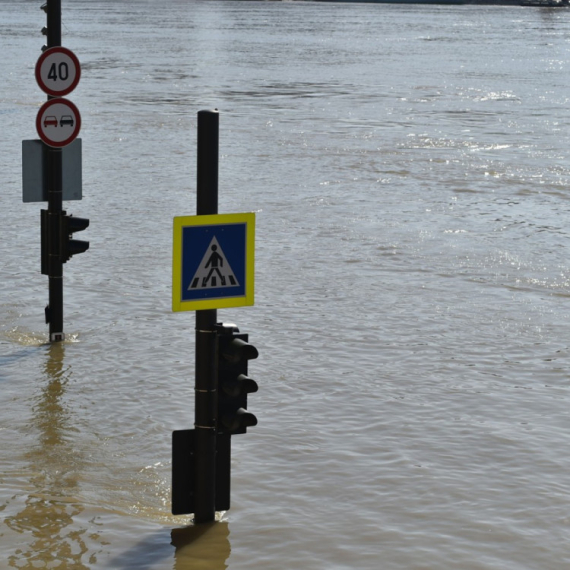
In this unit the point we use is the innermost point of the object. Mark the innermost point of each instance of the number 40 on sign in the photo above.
(58, 71)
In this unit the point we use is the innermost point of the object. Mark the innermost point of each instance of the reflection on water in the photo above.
(50, 525)
(54, 465)
(206, 547)
(202, 547)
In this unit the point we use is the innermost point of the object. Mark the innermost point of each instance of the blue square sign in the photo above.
(213, 261)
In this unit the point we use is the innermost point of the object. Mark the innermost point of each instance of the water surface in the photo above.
(408, 167)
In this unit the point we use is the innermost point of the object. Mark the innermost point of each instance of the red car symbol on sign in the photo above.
(50, 121)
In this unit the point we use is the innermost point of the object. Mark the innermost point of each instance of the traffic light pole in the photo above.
(206, 358)
(54, 310)
(201, 457)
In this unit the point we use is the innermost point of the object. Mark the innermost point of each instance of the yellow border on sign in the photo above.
(180, 222)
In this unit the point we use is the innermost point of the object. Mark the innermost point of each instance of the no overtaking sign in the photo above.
(58, 122)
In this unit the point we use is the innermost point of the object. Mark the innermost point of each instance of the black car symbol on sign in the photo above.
(50, 121)
(66, 120)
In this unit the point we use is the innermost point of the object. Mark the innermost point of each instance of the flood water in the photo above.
(408, 166)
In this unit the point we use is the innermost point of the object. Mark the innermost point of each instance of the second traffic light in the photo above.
(233, 382)
(69, 246)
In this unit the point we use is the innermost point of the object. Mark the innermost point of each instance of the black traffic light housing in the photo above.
(233, 354)
(69, 246)
(60, 227)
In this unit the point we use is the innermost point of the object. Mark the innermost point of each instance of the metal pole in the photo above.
(206, 361)
(54, 312)
(53, 23)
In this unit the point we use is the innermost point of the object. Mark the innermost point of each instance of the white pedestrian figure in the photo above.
(213, 262)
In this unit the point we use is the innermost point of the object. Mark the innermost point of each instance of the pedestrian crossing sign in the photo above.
(213, 261)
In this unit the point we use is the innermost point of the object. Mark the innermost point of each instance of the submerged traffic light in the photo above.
(59, 228)
(69, 246)
(233, 382)
(189, 454)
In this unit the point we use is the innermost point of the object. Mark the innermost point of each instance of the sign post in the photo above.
(206, 364)
(212, 267)
(54, 309)
(58, 123)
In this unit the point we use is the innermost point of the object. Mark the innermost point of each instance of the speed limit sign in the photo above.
(58, 71)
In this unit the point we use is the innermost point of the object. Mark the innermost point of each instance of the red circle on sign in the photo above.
(58, 122)
(61, 66)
